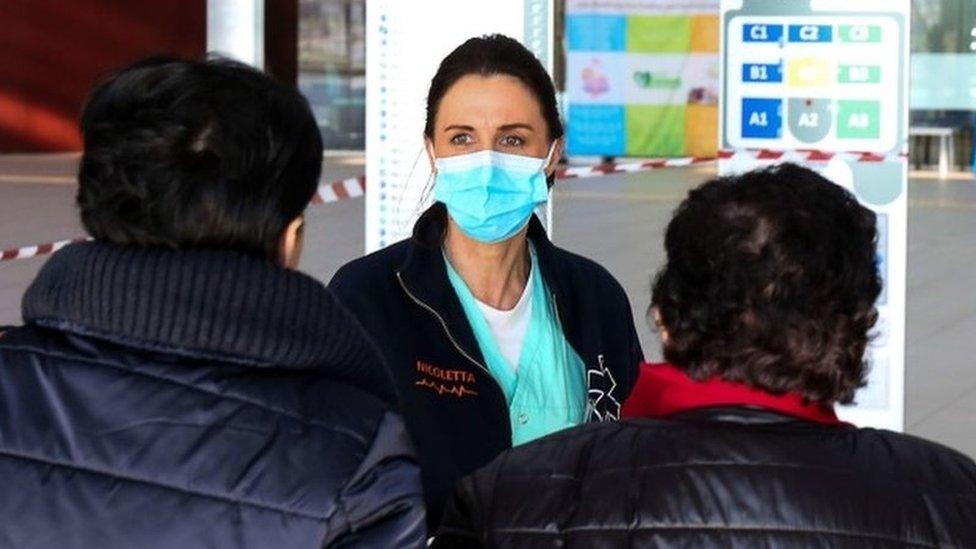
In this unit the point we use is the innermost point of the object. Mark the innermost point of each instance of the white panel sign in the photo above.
(405, 43)
(832, 78)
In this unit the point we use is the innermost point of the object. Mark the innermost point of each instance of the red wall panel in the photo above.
(53, 51)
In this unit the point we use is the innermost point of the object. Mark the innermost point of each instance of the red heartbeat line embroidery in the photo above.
(456, 390)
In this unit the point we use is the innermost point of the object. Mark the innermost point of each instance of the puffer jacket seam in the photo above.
(75, 360)
(742, 528)
(720, 464)
(922, 487)
(139, 480)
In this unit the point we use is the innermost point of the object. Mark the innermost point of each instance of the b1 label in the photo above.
(762, 72)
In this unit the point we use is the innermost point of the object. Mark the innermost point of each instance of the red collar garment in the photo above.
(663, 390)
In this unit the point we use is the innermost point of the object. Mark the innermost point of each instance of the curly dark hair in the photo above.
(771, 280)
(196, 154)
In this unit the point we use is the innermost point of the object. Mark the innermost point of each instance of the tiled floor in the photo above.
(618, 221)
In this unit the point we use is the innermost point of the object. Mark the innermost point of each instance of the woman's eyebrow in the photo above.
(516, 126)
(459, 127)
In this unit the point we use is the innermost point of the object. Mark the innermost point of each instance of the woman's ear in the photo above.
(290, 243)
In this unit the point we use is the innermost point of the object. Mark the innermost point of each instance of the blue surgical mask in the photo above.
(491, 195)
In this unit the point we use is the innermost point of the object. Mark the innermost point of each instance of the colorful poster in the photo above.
(642, 77)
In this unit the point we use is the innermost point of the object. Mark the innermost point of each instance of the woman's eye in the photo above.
(513, 141)
(461, 139)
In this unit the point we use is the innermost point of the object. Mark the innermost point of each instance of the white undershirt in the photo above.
(510, 327)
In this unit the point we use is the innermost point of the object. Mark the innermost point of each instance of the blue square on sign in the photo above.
(811, 33)
(762, 33)
(762, 72)
(597, 129)
(596, 32)
(762, 118)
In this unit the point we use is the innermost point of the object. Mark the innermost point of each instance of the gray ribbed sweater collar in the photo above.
(205, 303)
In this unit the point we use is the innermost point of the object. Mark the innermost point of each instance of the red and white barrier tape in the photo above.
(630, 167)
(340, 190)
(808, 156)
(354, 187)
(35, 251)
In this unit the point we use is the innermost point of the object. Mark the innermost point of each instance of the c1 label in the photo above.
(759, 32)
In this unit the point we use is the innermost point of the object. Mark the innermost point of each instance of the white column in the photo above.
(235, 29)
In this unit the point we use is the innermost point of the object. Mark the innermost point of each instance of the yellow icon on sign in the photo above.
(808, 72)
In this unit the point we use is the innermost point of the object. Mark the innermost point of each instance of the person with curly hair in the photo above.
(765, 308)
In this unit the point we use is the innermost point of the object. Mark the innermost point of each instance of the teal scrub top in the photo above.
(548, 392)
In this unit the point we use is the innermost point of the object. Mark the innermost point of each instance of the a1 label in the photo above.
(762, 118)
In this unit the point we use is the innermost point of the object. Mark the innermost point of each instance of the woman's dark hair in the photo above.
(771, 280)
(488, 56)
(196, 154)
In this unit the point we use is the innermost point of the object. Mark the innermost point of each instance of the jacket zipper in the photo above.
(443, 325)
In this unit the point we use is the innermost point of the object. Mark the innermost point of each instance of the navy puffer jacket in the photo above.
(196, 399)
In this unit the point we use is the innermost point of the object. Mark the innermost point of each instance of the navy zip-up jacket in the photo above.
(454, 409)
(164, 399)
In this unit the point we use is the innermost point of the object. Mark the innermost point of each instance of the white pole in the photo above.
(235, 29)
(552, 197)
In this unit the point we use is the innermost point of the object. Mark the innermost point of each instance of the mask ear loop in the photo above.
(545, 163)
(552, 194)
(429, 185)
(428, 190)
(424, 196)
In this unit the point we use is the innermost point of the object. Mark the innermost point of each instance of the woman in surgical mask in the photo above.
(494, 336)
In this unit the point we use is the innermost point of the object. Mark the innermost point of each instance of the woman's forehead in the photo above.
(495, 100)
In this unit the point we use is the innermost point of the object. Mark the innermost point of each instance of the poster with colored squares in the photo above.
(642, 77)
(822, 83)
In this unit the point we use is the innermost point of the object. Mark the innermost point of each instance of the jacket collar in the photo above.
(203, 303)
(663, 390)
(424, 276)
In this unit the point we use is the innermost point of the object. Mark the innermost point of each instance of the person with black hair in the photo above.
(176, 383)
(494, 335)
(764, 309)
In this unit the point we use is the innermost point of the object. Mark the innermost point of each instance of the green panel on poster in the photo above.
(655, 130)
(658, 34)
